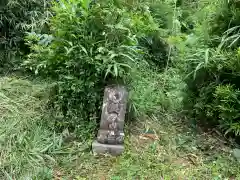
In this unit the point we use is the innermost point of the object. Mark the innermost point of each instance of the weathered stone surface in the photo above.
(114, 150)
(112, 118)
(105, 137)
(113, 115)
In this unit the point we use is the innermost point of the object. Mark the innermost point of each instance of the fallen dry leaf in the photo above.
(148, 136)
(57, 175)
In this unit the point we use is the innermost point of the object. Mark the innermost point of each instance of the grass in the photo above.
(25, 143)
(30, 149)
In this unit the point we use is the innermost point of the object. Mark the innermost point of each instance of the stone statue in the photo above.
(110, 137)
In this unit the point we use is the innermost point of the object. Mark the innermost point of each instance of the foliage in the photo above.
(228, 105)
(212, 70)
(150, 46)
(156, 49)
(17, 17)
(90, 46)
(163, 13)
(153, 92)
(214, 89)
(31, 150)
(224, 15)
(150, 21)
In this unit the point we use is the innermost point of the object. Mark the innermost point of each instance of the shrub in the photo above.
(213, 86)
(17, 17)
(227, 106)
(162, 13)
(153, 31)
(90, 45)
(224, 15)
(156, 49)
(208, 61)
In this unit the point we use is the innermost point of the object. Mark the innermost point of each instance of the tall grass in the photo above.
(25, 141)
(153, 92)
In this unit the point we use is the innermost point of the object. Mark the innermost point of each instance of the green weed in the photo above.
(30, 149)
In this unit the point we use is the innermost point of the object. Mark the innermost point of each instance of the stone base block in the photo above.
(111, 149)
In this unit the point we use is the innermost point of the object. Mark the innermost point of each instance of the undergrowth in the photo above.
(180, 63)
(89, 46)
(17, 18)
(31, 150)
(210, 66)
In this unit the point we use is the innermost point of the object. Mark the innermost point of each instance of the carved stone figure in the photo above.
(110, 137)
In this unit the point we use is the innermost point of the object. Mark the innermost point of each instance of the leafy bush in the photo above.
(90, 45)
(227, 104)
(156, 49)
(224, 15)
(17, 17)
(213, 85)
(162, 12)
(153, 34)
(208, 62)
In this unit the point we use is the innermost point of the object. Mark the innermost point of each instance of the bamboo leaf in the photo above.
(127, 56)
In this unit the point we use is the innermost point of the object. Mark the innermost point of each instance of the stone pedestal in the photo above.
(110, 137)
(113, 149)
